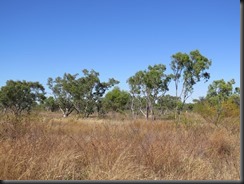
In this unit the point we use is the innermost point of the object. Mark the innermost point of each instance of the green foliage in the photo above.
(167, 103)
(20, 96)
(220, 90)
(188, 107)
(61, 94)
(192, 69)
(149, 85)
(82, 94)
(117, 100)
(86, 94)
(221, 101)
(50, 104)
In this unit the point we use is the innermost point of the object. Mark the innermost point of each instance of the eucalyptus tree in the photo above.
(187, 71)
(99, 91)
(218, 93)
(80, 94)
(62, 93)
(149, 85)
(220, 90)
(21, 96)
(90, 91)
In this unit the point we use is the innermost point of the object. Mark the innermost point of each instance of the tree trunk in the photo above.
(147, 112)
(66, 112)
(132, 108)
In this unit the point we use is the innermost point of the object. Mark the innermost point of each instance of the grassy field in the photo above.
(46, 147)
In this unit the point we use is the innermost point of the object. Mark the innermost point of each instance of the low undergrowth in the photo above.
(37, 148)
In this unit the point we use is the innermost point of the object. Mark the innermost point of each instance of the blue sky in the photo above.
(117, 38)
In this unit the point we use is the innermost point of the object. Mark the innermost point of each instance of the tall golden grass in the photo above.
(44, 147)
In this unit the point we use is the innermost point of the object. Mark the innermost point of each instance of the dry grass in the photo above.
(50, 148)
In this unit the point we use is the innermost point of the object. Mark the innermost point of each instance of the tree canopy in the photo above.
(117, 100)
(85, 94)
(81, 94)
(19, 96)
(192, 69)
(148, 84)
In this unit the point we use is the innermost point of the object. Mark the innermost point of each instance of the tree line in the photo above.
(147, 96)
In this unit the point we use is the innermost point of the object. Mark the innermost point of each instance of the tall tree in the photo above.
(20, 96)
(191, 69)
(149, 85)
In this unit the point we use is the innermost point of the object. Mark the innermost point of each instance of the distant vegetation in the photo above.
(86, 95)
(90, 129)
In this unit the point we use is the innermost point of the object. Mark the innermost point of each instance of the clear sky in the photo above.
(117, 38)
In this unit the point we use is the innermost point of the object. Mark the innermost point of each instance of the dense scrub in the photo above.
(45, 147)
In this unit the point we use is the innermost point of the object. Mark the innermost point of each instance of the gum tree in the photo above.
(218, 93)
(147, 86)
(21, 96)
(81, 94)
(188, 69)
(62, 96)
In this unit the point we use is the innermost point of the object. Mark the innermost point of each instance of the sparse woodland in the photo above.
(92, 130)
